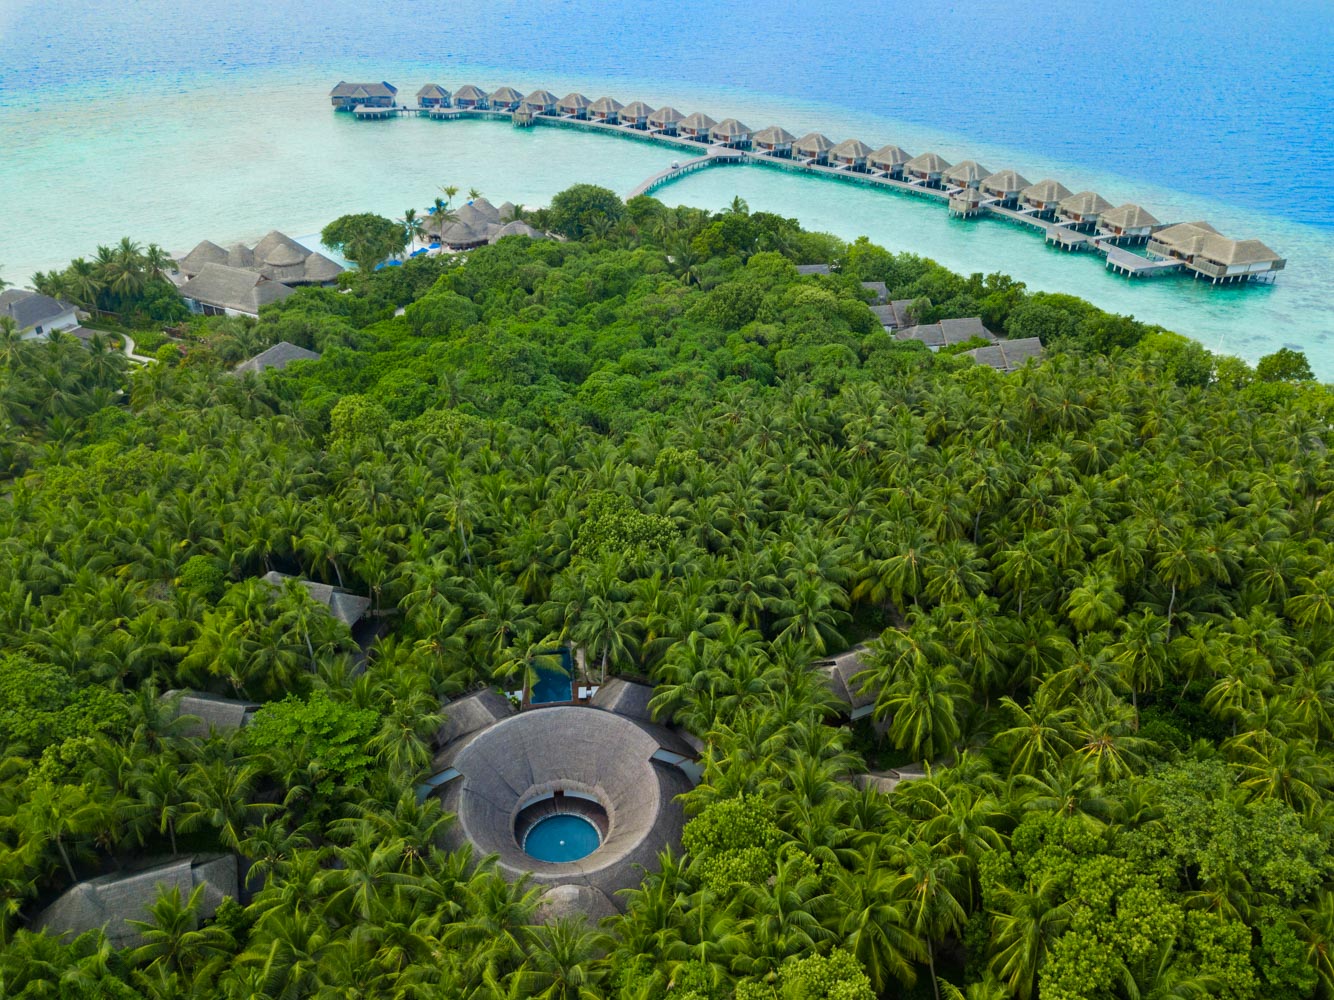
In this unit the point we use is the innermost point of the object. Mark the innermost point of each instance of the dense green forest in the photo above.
(1098, 594)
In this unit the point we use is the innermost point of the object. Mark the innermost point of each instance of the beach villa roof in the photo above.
(111, 901)
(1007, 355)
(928, 163)
(506, 95)
(469, 714)
(665, 115)
(966, 172)
(813, 144)
(28, 309)
(240, 255)
(574, 902)
(469, 93)
(459, 234)
(541, 99)
(205, 252)
(575, 101)
(471, 214)
(841, 672)
(1005, 182)
(354, 90)
(947, 333)
(851, 149)
(636, 109)
(347, 607)
(1128, 216)
(626, 698)
(605, 106)
(210, 711)
(775, 135)
(1085, 203)
(699, 121)
(483, 209)
(889, 156)
(969, 195)
(517, 228)
(1046, 190)
(433, 90)
(279, 356)
(730, 128)
(238, 289)
(277, 257)
(279, 250)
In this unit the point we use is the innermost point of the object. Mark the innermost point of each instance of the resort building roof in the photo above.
(879, 289)
(1046, 190)
(814, 269)
(928, 163)
(1128, 216)
(29, 309)
(698, 121)
(889, 157)
(208, 711)
(517, 227)
(1005, 182)
(541, 99)
(851, 149)
(813, 144)
(894, 315)
(277, 257)
(433, 90)
(233, 289)
(279, 356)
(468, 92)
(1186, 237)
(1085, 203)
(111, 901)
(506, 95)
(468, 715)
(968, 172)
(347, 607)
(570, 902)
(636, 109)
(774, 135)
(1007, 355)
(730, 128)
(840, 671)
(605, 106)
(576, 101)
(381, 89)
(665, 115)
(626, 698)
(947, 333)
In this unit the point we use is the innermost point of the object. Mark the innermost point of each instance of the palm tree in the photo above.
(413, 227)
(473, 194)
(449, 191)
(924, 708)
(874, 920)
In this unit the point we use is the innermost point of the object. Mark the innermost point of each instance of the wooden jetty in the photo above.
(1082, 222)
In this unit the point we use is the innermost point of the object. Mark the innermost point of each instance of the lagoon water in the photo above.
(173, 124)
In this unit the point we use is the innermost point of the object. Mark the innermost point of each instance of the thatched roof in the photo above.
(625, 698)
(433, 90)
(235, 288)
(28, 309)
(571, 902)
(774, 135)
(1085, 203)
(517, 228)
(730, 128)
(469, 93)
(1007, 355)
(460, 234)
(946, 333)
(210, 712)
(575, 101)
(1186, 237)
(279, 356)
(1128, 216)
(889, 156)
(814, 269)
(541, 99)
(928, 163)
(813, 144)
(347, 607)
(605, 106)
(624, 764)
(636, 110)
(480, 208)
(240, 255)
(468, 715)
(381, 89)
(1046, 190)
(851, 149)
(699, 121)
(665, 115)
(110, 901)
(506, 95)
(1004, 182)
(966, 172)
(840, 671)
(205, 252)
(969, 195)
(879, 289)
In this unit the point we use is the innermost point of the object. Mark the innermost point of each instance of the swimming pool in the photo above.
(553, 683)
(561, 838)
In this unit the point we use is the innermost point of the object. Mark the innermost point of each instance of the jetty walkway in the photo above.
(1075, 222)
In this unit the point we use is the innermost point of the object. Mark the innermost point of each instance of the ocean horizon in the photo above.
(242, 140)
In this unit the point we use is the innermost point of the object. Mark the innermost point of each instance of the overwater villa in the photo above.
(968, 173)
(346, 96)
(967, 202)
(1083, 210)
(774, 140)
(1005, 186)
(1128, 223)
(1208, 253)
(1045, 196)
(697, 126)
(505, 99)
(635, 115)
(574, 106)
(471, 98)
(433, 96)
(606, 110)
(889, 160)
(927, 169)
(814, 147)
(542, 102)
(665, 120)
(731, 133)
(850, 154)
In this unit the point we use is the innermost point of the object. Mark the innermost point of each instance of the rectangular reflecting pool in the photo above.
(555, 677)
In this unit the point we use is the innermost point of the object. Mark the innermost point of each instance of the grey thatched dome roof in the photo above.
(730, 128)
(575, 100)
(563, 902)
(506, 95)
(1085, 203)
(206, 252)
(625, 698)
(468, 92)
(541, 98)
(619, 762)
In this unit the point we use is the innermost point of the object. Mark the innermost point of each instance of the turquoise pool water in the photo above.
(561, 838)
(553, 683)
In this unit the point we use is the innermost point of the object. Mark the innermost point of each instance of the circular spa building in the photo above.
(579, 796)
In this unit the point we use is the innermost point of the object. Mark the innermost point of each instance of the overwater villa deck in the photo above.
(1083, 221)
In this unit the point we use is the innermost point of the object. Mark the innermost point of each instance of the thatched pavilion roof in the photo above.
(235, 288)
(381, 89)
(209, 711)
(606, 106)
(730, 128)
(541, 98)
(636, 109)
(928, 163)
(469, 714)
(813, 144)
(1045, 190)
(571, 902)
(851, 149)
(434, 90)
(347, 607)
(889, 156)
(1085, 203)
(966, 172)
(1128, 216)
(576, 101)
(774, 135)
(1005, 182)
(698, 121)
(205, 252)
(470, 93)
(625, 698)
(665, 115)
(506, 95)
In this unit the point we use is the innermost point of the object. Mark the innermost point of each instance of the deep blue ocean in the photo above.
(176, 121)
